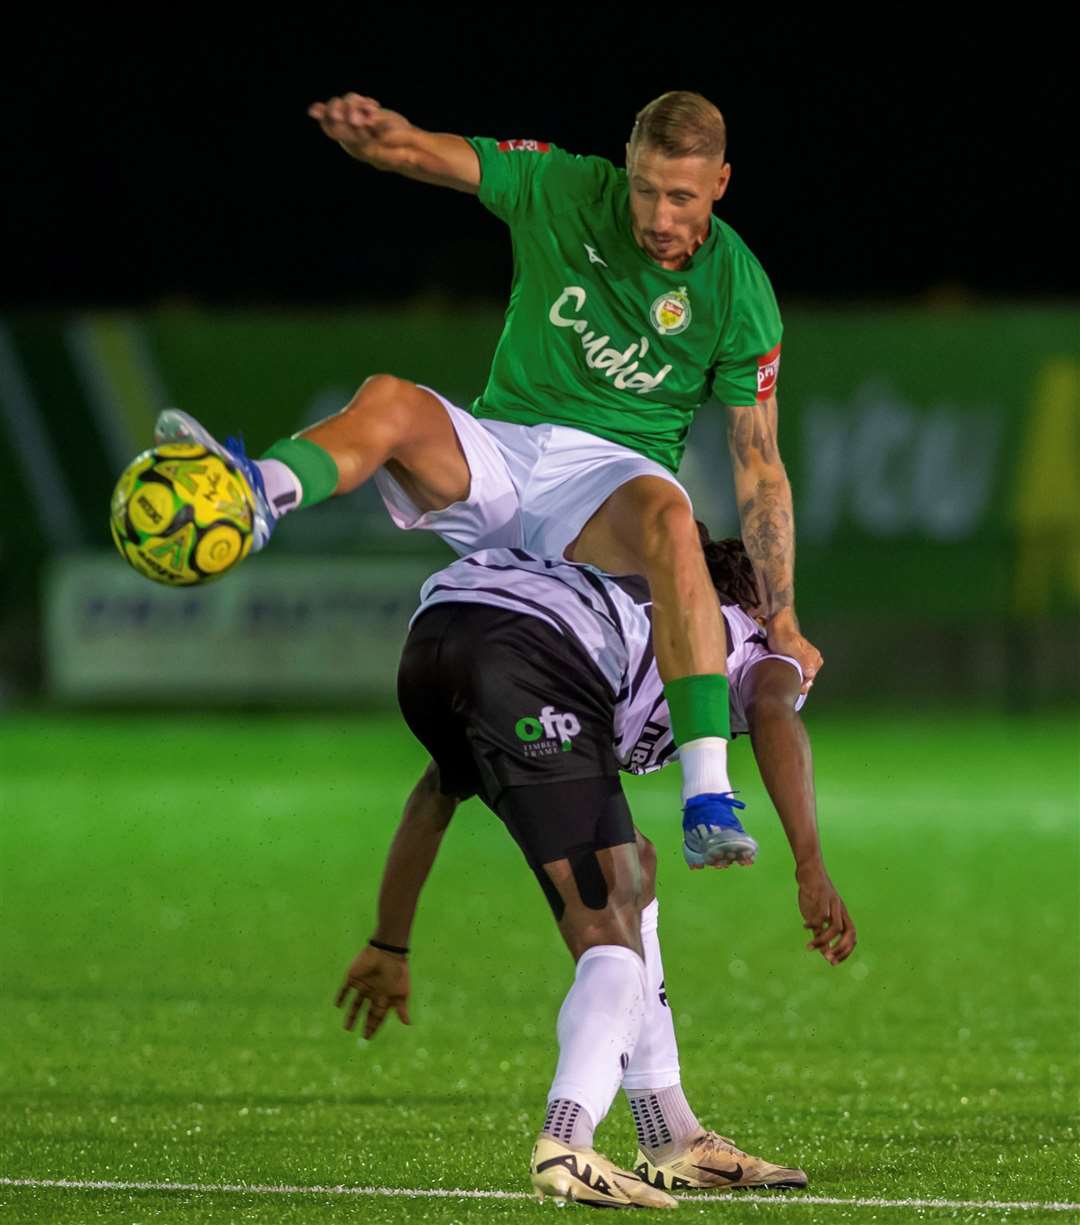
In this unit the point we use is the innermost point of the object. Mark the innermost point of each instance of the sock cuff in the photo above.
(698, 706)
(650, 916)
(620, 953)
(705, 742)
(638, 1084)
(313, 466)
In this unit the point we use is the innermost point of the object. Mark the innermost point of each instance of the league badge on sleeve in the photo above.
(523, 146)
(768, 371)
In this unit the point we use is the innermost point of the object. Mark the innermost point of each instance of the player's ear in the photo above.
(722, 181)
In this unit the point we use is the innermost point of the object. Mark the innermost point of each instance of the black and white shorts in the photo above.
(514, 712)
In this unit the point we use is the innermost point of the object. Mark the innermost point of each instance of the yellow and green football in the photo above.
(181, 514)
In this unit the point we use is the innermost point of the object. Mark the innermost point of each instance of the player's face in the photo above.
(671, 200)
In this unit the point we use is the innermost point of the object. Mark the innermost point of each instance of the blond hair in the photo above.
(681, 124)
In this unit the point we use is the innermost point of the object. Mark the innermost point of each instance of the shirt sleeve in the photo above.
(748, 359)
(523, 180)
(757, 654)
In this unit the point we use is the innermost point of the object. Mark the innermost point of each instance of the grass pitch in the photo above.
(180, 898)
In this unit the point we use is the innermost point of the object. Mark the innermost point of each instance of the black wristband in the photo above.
(388, 948)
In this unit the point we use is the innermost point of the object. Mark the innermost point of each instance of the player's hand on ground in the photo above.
(785, 638)
(825, 916)
(382, 980)
(359, 124)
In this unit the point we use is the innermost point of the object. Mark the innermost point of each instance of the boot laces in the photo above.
(713, 1142)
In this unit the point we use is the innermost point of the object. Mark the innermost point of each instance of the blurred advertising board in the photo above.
(290, 631)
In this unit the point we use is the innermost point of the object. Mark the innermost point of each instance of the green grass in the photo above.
(178, 900)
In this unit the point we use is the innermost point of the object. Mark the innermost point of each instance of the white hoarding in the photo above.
(278, 630)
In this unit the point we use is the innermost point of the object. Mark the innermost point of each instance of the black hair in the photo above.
(731, 570)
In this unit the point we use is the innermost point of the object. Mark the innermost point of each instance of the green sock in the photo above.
(698, 706)
(313, 466)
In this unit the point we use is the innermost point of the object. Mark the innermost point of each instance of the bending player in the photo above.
(493, 632)
(631, 305)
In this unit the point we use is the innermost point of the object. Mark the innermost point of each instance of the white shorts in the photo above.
(531, 487)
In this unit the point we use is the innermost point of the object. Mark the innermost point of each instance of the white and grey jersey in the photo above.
(643, 740)
(611, 620)
(579, 601)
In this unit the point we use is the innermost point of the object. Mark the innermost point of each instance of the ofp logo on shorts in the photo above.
(548, 733)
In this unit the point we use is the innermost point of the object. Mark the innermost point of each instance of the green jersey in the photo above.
(598, 336)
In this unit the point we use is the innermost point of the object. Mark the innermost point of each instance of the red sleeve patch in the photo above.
(768, 370)
(523, 146)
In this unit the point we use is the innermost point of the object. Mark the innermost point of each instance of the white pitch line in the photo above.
(242, 1189)
(781, 1197)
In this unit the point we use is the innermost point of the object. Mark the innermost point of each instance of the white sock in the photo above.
(704, 766)
(283, 489)
(662, 1115)
(655, 1061)
(598, 1029)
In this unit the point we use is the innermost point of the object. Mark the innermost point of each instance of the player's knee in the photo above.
(668, 530)
(624, 905)
(383, 400)
(619, 925)
(382, 386)
(609, 909)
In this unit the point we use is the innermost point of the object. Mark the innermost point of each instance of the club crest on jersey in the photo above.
(670, 313)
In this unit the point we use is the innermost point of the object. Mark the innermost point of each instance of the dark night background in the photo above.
(173, 161)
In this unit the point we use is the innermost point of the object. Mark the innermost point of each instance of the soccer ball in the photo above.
(181, 514)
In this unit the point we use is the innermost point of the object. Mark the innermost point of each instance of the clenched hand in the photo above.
(359, 124)
(785, 638)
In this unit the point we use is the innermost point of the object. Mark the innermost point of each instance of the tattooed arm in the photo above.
(763, 494)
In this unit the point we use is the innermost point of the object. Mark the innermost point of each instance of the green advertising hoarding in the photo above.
(934, 455)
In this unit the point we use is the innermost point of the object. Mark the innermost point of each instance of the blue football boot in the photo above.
(712, 834)
(173, 425)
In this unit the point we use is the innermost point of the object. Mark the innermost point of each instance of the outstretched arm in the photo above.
(377, 975)
(763, 493)
(408, 863)
(782, 749)
(388, 141)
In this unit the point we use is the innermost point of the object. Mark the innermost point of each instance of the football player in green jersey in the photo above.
(631, 304)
